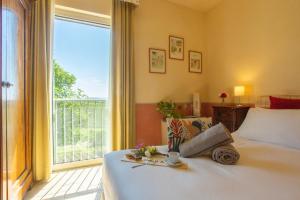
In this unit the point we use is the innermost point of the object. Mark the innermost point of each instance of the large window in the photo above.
(80, 90)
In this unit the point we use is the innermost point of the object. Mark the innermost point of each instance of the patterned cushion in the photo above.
(180, 130)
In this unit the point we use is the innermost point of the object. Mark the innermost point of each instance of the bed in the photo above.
(269, 167)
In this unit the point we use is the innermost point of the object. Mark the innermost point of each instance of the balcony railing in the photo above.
(79, 129)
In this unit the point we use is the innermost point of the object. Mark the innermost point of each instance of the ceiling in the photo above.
(201, 5)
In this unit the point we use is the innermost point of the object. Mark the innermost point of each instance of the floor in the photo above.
(75, 184)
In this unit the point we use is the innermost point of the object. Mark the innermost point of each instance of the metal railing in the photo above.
(79, 129)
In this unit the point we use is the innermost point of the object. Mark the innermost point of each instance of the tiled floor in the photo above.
(75, 184)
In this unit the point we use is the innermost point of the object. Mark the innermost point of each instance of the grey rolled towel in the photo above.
(205, 142)
(226, 155)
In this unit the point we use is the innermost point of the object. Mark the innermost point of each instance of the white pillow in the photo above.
(273, 126)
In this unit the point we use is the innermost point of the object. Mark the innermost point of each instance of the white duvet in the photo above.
(264, 172)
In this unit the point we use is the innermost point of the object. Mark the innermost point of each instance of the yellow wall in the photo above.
(154, 21)
(244, 42)
(255, 43)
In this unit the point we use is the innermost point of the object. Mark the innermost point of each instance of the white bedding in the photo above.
(265, 171)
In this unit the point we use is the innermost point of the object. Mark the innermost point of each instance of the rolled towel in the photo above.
(205, 142)
(226, 155)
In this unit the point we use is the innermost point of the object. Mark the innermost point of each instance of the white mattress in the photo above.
(265, 171)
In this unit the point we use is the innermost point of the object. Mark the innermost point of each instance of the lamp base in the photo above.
(239, 102)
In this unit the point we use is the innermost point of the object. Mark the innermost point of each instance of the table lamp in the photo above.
(239, 91)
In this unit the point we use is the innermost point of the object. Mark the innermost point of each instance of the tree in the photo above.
(63, 84)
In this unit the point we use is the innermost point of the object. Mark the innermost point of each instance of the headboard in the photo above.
(264, 101)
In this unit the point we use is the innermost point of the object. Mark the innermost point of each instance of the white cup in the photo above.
(173, 157)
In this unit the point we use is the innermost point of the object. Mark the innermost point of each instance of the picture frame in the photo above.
(176, 47)
(195, 62)
(157, 61)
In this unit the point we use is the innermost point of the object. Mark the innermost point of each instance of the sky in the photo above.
(84, 51)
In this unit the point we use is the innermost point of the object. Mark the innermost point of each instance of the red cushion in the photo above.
(280, 103)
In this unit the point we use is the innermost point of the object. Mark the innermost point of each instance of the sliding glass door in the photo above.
(80, 91)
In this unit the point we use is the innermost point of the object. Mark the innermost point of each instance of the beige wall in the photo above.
(244, 42)
(154, 21)
(255, 43)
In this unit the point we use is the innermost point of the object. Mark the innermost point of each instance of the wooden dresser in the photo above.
(232, 116)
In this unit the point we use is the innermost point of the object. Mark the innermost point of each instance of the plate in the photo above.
(171, 164)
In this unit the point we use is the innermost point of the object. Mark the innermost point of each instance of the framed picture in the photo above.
(176, 48)
(157, 61)
(195, 62)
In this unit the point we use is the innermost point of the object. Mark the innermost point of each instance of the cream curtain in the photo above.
(122, 76)
(41, 56)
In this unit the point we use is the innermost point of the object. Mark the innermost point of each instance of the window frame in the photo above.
(82, 16)
(87, 19)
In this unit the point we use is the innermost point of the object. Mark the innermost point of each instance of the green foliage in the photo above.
(80, 123)
(63, 84)
(167, 109)
(80, 130)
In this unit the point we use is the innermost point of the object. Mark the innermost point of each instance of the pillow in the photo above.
(280, 103)
(213, 137)
(272, 126)
(180, 130)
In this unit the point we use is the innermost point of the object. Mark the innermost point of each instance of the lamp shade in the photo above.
(239, 91)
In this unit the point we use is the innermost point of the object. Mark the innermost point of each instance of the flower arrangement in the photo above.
(223, 96)
(143, 150)
(167, 109)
